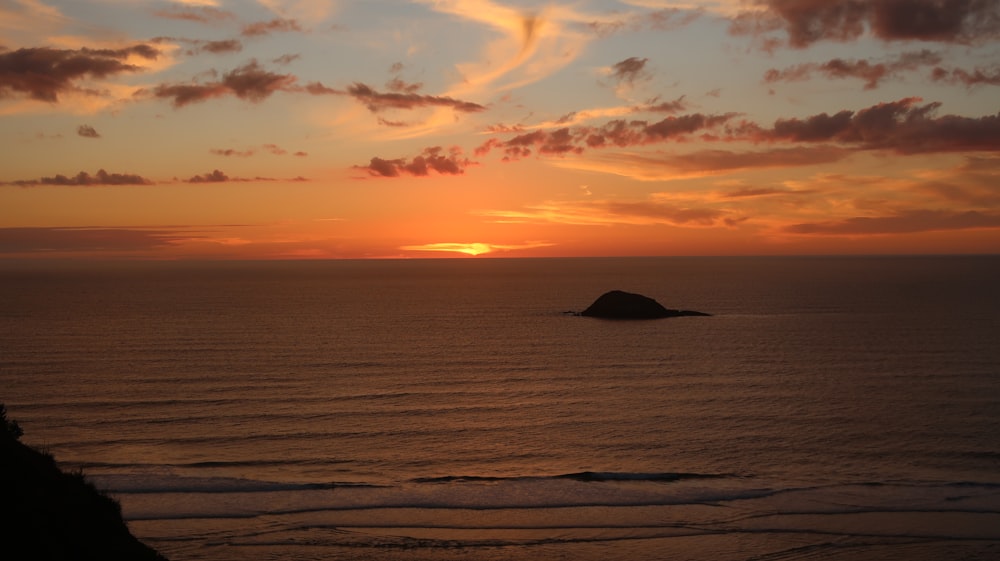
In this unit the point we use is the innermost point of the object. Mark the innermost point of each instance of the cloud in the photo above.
(87, 131)
(619, 132)
(215, 176)
(218, 176)
(475, 248)
(901, 126)
(218, 47)
(975, 77)
(662, 166)
(277, 25)
(662, 17)
(755, 192)
(201, 14)
(249, 82)
(629, 70)
(808, 21)
(871, 72)
(376, 101)
(431, 159)
(269, 148)
(904, 222)
(44, 73)
(51, 240)
(654, 105)
(84, 179)
(611, 212)
(286, 59)
(233, 152)
(533, 43)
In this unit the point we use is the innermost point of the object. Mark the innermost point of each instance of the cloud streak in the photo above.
(84, 179)
(41, 240)
(904, 222)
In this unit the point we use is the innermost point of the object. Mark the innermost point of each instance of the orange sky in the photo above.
(277, 129)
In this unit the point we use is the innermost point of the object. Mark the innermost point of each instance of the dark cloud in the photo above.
(871, 72)
(316, 88)
(84, 179)
(376, 101)
(629, 70)
(233, 152)
(808, 21)
(286, 59)
(44, 73)
(217, 47)
(722, 160)
(619, 133)
(398, 85)
(51, 240)
(87, 131)
(249, 82)
(656, 106)
(277, 25)
(216, 176)
(431, 159)
(976, 77)
(269, 148)
(902, 126)
(906, 222)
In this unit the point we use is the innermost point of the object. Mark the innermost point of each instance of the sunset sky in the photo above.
(285, 129)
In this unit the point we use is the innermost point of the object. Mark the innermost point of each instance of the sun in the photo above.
(476, 248)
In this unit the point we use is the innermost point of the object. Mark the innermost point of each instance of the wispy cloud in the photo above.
(610, 212)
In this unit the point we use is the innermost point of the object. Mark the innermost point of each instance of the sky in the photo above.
(317, 129)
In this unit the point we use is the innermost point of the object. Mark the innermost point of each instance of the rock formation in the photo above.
(626, 305)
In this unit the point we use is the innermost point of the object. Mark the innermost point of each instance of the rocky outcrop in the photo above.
(626, 305)
(50, 515)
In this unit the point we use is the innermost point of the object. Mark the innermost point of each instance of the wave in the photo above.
(153, 484)
(594, 476)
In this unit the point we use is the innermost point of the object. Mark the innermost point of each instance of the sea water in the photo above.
(830, 408)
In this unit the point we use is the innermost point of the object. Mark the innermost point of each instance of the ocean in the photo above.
(835, 408)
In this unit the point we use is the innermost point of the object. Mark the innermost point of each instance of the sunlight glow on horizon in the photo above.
(225, 129)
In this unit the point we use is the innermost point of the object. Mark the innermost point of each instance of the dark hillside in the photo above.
(50, 515)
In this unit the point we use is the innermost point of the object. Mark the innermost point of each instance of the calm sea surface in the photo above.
(831, 408)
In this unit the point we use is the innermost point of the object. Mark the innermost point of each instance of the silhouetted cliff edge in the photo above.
(50, 515)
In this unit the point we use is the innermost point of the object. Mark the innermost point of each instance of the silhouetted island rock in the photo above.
(50, 515)
(626, 305)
